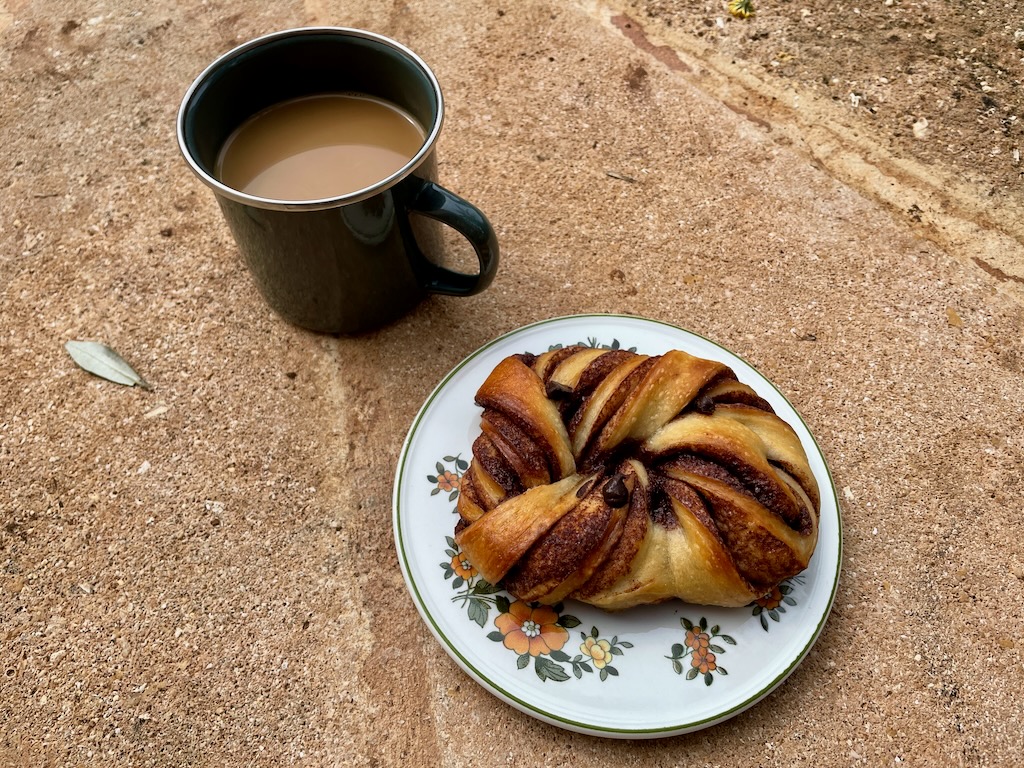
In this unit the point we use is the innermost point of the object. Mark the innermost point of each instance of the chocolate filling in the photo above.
(556, 390)
(586, 488)
(661, 509)
(704, 404)
(588, 458)
(491, 461)
(615, 492)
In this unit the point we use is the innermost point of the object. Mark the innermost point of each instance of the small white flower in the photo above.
(531, 628)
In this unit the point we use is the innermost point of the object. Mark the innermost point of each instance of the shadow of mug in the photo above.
(354, 262)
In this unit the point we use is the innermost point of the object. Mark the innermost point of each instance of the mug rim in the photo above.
(319, 203)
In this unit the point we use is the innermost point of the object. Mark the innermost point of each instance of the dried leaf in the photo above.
(620, 176)
(102, 361)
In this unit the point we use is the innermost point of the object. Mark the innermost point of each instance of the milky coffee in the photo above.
(318, 147)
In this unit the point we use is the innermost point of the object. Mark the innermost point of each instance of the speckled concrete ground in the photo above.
(204, 574)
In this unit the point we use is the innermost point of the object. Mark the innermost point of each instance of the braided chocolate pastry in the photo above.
(620, 479)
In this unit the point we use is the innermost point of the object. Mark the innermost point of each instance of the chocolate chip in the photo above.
(615, 492)
(555, 390)
(705, 405)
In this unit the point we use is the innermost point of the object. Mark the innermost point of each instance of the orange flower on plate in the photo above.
(463, 567)
(772, 600)
(448, 481)
(703, 645)
(532, 630)
(704, 661)
(698, 641)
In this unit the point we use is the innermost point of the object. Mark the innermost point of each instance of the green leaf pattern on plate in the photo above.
(702, 646)
(449, 475)
(773, 605)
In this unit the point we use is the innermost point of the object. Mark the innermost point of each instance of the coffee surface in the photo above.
(318, 147)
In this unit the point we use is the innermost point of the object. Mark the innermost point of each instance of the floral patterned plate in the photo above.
(645, 672)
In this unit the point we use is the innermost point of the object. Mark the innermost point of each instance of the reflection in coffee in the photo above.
(318, 147)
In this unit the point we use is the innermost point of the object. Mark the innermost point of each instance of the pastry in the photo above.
(620, 479)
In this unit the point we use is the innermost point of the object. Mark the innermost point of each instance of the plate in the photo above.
(645, 672)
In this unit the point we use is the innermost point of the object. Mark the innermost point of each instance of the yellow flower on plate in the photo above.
(598, 650)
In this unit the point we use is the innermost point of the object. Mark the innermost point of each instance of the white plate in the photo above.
(642, 691)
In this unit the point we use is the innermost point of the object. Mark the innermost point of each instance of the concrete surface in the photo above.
(205, 574)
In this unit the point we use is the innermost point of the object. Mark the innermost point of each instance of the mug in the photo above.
(353, 262)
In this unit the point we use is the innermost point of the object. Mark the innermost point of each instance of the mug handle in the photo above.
(435, 202)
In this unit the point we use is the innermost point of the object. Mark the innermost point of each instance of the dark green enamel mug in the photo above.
(358, 261)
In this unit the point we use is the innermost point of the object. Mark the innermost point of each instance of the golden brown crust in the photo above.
(634, 528)
(567, 556)
(515, 391)
(621, 479)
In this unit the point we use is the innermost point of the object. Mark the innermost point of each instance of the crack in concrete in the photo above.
(663, 53)
(997, 273)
